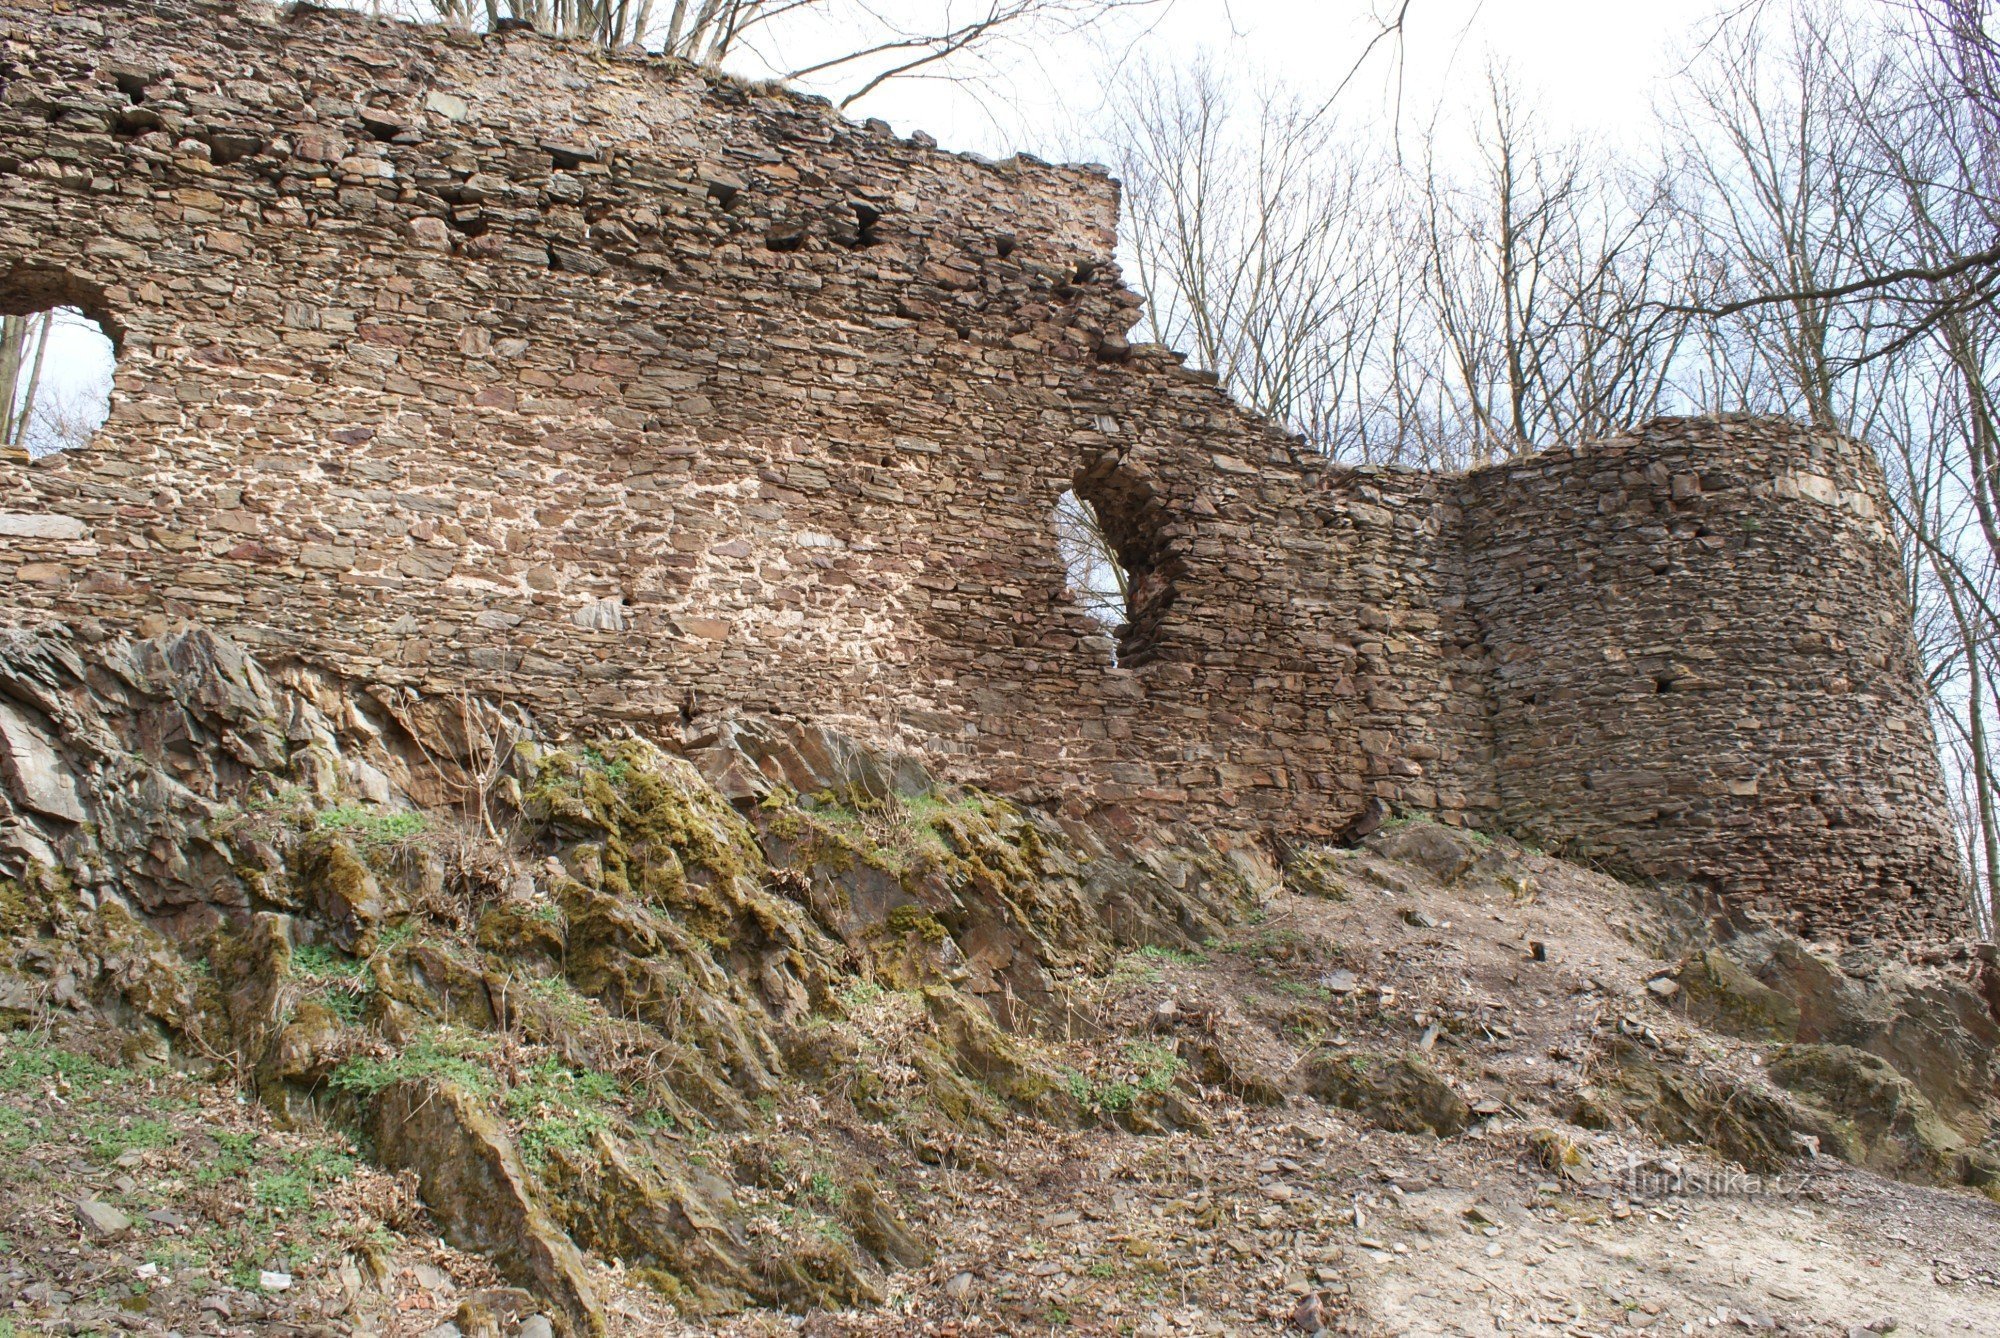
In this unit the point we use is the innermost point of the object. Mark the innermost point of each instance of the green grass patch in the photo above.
(298, 1184)
(561, 1000)
(1150, 1069)
(316, 961)
(369, 827)
(396, 936)
(443, 1054)
(111, 1139)
(1144, 965)
(558, 1108)
(30, 1060)
(235, 1155)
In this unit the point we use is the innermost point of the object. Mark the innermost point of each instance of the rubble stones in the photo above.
(101, 1219)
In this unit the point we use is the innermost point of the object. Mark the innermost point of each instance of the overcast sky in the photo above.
(1592, 65)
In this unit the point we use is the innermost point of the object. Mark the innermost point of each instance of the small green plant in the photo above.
(1158, 1065)
(858, 994)
(340, 983)
(367, 826)
(825, 1189)
(236, 1154)
(614, 770)
(1103, 1098)
(558, 1108)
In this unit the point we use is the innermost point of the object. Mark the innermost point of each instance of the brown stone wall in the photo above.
(1701, 667)
(635, 395)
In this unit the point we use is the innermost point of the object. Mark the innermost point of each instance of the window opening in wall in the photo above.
(1115, 531)
(55, 380)
(1097, 582)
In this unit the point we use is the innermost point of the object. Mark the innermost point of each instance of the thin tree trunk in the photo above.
(27, 418)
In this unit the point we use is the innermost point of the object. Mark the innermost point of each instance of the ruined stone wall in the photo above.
(1701, 667)
(634, 395)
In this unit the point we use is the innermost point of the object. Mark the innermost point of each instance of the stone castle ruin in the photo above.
(635, 396)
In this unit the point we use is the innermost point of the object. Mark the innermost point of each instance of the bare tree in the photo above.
(1097, 582)
(24, 348)
(1252, 240)
(53, 390)
(1536, 269)
(1835, 177)
(1419, 315)
(857, 45)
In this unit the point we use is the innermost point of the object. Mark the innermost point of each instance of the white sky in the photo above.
(1592, 66)
(76, 376)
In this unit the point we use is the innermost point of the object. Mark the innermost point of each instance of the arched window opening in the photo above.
(1096, 581)
(1113, 530)
(56, 364)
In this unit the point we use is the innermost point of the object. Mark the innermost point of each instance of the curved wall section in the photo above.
(1701, 668)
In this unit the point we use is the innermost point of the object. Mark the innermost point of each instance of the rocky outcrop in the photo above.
(470, 1169)
(532, 974)
(1399, 1092)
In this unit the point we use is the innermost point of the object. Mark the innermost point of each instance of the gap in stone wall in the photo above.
(1133, 522)
(1097, 583)
(56, 366)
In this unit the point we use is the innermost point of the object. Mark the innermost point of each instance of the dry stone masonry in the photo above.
(634, 395)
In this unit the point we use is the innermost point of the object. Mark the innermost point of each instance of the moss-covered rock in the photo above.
(343, 892)
(1720, 995)
(1390, 1091)
(1876, 1116)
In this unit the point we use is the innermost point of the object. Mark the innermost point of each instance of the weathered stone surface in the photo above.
(1877, 1117)
(1438, 851)
(34, 771)
(1722, 996)
(413, 384)
(1679, 1104)
(475, 1185)
(40, 527)
(101, 1219)
(1399, 1092)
